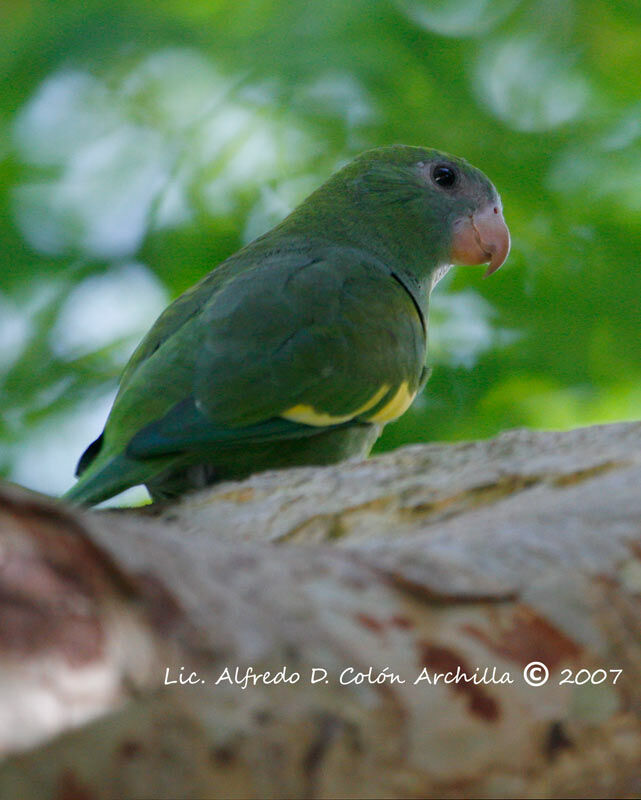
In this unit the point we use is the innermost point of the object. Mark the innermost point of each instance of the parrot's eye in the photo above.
(444, 176)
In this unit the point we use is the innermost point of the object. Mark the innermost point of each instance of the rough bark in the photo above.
(488, 554)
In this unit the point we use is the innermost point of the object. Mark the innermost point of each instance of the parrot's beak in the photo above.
(481, 237)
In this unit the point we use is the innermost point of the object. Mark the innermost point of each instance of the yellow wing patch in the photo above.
(398, 405)
(307, 415)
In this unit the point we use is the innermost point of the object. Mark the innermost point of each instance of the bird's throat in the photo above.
(440, 272)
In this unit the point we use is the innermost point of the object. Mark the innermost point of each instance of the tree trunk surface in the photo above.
(424, 582)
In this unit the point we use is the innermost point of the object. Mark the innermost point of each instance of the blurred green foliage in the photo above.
(140, 144)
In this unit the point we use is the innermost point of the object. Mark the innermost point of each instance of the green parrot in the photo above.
(300, 347)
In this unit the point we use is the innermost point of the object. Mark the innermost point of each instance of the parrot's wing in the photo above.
(287, 348)
(185, 428)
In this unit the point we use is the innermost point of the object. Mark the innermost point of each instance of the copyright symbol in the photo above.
(536, 673)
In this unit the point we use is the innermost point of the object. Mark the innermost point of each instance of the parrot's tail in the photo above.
(99, 483)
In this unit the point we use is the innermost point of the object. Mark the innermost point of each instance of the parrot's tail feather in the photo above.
(115, 476)
(89, 455)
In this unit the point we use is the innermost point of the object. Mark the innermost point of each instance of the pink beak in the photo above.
(481, 237)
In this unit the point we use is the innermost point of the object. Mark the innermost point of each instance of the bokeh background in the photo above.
(141, 143)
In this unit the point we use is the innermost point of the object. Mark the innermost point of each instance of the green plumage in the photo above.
(321, 319)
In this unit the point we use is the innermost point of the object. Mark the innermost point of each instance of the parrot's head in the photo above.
(469, 205)
(435, 201)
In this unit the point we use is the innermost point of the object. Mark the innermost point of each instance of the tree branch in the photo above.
(473, 559)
